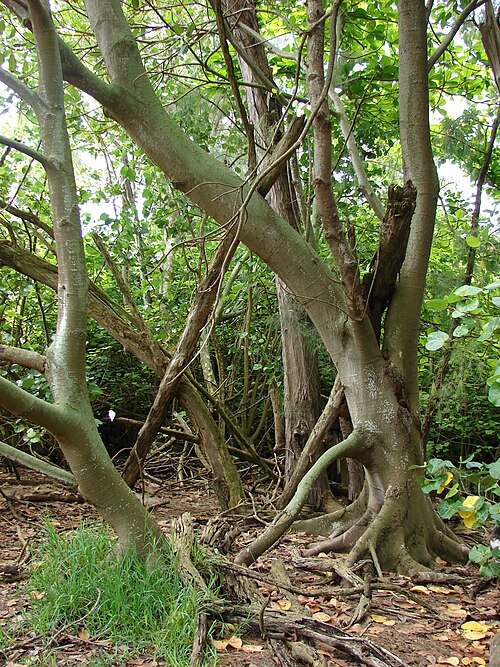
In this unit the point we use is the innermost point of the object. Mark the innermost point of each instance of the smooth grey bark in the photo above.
(36, 464)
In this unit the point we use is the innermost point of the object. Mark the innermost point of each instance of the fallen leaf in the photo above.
(251, 648)
(235, 642)
(302, 599)
(284, 604)
(440, 561)
(220, 644)
(38, 595)
(453, 660)
(456, 610)
(478, 660)
(440, 589)
(470, 634)
(480, 647)
(357, 628)
(83, 634)
(382, 619)
(445, 637)
(321, 616)
(420, 589)
(476, 626)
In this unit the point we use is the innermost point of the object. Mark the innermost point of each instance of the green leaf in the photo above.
(468, 290)
(489, 329)
(494, 394)
(496, 301)
(494, 469)
(460, 331)
(436, 340)
(473, 242)
(478, 553)
(468, 306)
(437, 304)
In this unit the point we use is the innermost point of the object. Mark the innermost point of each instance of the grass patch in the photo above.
(78, 580)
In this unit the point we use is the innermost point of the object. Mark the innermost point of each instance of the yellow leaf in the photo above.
(474, 636)
(284, 604)
(465, 661)
(382, 619)
(321, 616)
(440, 589)
(476, 626)
(469, 518)
(478, 660)
(83, 634)
(453, 660)
(420, 589)
(449, 477)
(440, 561)
(470, 501)
(220, 644)
(234, 642)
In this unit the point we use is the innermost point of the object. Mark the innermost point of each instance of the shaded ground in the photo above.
(423, 623)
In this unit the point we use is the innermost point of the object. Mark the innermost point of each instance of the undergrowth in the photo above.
(80, 585)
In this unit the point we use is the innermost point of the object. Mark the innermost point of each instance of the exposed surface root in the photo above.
(402, 536)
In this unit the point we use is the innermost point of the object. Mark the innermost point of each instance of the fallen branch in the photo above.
(277, 623)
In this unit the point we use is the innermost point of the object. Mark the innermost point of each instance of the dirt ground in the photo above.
(445, 622)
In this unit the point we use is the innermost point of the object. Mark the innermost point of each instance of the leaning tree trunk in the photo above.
(70, 417)
(391, 521)
(302, 398)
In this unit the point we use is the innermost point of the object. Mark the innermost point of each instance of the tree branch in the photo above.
(26, 358)
(30, 152)
(454, 29)
(20, 88)
(27, 216)
(34, 463)
(21, 404)
(287, 516)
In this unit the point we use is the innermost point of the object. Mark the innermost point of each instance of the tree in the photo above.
(368, 322)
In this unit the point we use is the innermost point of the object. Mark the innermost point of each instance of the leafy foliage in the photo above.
(471, 490)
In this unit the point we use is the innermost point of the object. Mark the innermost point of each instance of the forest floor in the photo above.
(431, 623)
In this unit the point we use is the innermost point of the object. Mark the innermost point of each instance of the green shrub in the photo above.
(472, 491)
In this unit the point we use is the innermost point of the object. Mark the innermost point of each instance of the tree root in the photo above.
(397, 537)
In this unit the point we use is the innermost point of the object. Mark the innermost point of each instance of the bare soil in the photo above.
(420, 622)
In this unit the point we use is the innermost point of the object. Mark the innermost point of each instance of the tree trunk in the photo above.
(302, 399)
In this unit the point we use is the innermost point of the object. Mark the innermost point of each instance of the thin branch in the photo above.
(27, 216)
(37, 464)
(454, 29)
(20, 88)
(223, 39)
(30, 152)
